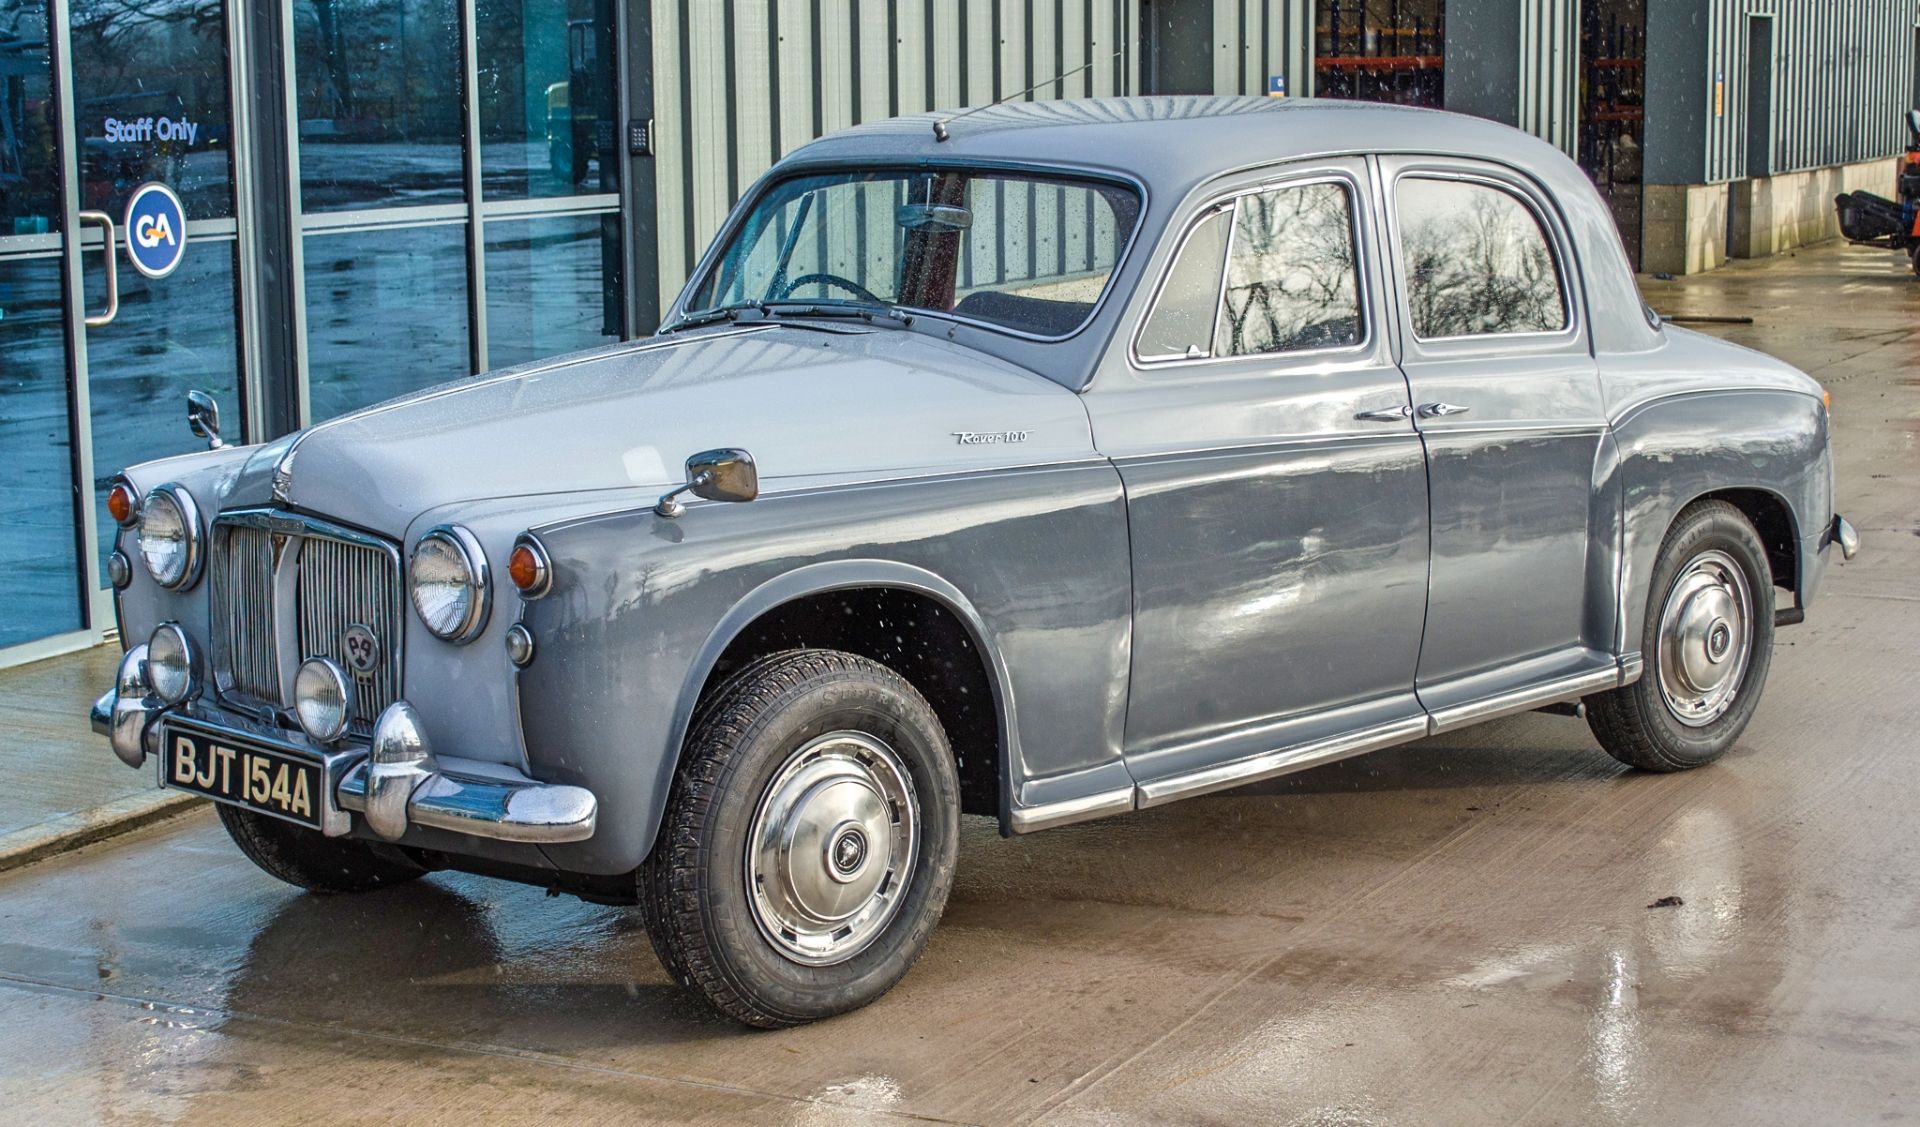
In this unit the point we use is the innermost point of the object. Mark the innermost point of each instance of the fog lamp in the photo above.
(169, 663)
(322, 699)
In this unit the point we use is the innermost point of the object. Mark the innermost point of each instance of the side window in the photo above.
(1477, 261)
(1181, 324)
(1292, 278)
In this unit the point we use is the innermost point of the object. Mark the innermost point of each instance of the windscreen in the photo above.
(1031, 254)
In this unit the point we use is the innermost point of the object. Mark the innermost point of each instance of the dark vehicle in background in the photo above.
(1875, 221)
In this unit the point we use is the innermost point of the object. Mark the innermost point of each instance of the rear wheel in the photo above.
(309, 859)
(809, 843)
(1707, 641)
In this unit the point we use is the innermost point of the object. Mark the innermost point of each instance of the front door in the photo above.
(100, 103)
(1276, 490)
(1506, 397)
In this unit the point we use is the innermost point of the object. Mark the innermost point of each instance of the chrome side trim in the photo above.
(1028, 819)
(1631, 667)
(1525, 698)
(1281, 761)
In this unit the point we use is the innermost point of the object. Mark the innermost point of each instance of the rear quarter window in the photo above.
(1477, 260)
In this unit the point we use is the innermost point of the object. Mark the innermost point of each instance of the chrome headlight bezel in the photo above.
(443, 542)
(173, 672)
(192, 535)
(317, 676)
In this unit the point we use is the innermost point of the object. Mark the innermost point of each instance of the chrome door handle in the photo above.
(1435, 410)
(95, 320)
(1386, 414)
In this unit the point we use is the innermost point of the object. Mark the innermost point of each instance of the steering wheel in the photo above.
(848, 284)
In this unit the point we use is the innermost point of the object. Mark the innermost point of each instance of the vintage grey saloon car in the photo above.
(1044, 463)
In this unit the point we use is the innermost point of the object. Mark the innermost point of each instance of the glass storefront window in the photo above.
(151, 103)
(546, 98)
(386, 313)
(29, 186)
(37, 519)
(379, 102)
(169, 338)
(552, 286)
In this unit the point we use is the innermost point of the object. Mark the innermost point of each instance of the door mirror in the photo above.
(724, 475)
(203, 418)
(717, 475)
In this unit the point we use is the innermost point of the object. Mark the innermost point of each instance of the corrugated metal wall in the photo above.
(1253, 39)
(740, 83)
(1549, 71)
(1843, 79)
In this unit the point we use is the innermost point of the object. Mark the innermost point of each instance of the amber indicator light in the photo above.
(523, 567)
(120, 503)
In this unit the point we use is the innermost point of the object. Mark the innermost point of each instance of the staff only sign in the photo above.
(156, 230)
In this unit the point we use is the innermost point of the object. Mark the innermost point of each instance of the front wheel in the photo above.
(307, 859)
(1707, 641)
(809, 843)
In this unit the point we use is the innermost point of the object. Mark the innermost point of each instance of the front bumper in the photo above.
(394, 783)
(1844, 535)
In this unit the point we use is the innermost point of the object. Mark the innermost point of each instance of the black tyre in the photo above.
(809, 842)
(1707, 641)
(308, 859)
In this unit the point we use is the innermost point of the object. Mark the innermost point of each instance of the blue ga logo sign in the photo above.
(156, 230)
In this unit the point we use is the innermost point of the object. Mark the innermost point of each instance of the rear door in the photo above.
(1276, 488)
(1506, 397)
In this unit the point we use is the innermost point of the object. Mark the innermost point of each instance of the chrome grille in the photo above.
(336, 578)
(248, 664)
(344, 584)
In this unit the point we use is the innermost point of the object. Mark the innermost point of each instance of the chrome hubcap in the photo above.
(832, 848)
(1706, 637)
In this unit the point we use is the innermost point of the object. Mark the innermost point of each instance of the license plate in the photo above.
(236, 770)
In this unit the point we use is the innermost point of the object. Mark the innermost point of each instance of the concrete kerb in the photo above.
(71, 831)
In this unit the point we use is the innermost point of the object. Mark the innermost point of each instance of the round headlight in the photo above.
(322, 699)
(169, 663)
(448, 581)
(169, 537)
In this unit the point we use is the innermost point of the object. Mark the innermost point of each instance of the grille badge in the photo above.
(362, 647)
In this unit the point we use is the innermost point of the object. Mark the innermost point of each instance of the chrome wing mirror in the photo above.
(717, 475)
(203, 418)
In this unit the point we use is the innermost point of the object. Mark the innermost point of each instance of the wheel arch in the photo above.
(1772, 516)
(766, 619)
(1762, 450)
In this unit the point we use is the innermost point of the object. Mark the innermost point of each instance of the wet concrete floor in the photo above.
(1457, 931)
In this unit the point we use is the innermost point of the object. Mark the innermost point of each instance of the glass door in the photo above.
(152, 97)
(41, 535)
(100, 101)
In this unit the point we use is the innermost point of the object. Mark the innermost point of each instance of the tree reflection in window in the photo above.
(1477, 262)
(1291, 278)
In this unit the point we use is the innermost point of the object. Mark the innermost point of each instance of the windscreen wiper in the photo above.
(717, 314)
(867, 313)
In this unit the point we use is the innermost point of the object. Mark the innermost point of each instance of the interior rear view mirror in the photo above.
(933, 217)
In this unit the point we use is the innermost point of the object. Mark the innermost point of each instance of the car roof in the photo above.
(1173, 143)
(1176, 145)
